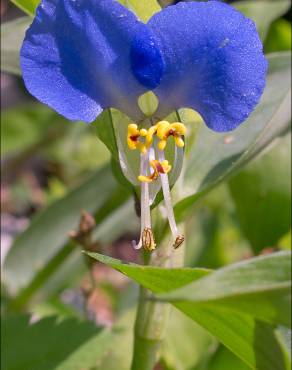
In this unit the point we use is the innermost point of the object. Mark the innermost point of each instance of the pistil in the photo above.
(178, 238)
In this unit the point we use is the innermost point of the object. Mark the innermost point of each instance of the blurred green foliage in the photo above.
(52, 169)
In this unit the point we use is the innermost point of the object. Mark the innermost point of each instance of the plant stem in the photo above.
(152, 317)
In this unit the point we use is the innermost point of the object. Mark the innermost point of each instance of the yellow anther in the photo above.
(149, 137)
(143, 132)
(179, 141)
(179, 128)
(162, 144)
(133, 136)
(158, 167)
(142, 178)
(162, 129)
(165, 166)
(166, 129)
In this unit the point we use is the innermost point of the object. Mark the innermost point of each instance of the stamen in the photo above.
(146, 236)
(158, 167)
(149, 137)
(178, 238)
(163, 130)
(166, 129)
(133, 138)
(148, 241)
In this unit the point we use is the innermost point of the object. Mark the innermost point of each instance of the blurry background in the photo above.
(49, 171)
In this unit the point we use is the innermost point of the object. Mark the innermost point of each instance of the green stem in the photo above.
(152, 317)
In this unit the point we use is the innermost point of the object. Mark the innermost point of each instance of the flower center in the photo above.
(154, 140)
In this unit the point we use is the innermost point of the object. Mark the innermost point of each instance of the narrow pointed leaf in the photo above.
(157, 279)
(251, 340)
(260, 287)
(48, 232)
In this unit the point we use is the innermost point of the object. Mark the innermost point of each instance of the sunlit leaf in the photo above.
(251, 340)
(143, 8)
(28, 6)
(260, 287)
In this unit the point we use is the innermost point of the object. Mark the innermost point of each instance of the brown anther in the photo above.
(148, 241)
(178, 241)
(84, 230)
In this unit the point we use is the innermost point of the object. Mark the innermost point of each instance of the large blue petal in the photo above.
(76, 57)
(213, 62)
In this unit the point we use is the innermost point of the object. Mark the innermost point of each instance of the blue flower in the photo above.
(83, 56)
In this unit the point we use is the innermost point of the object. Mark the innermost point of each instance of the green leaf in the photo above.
(186, 344)
(29, 128)
(48, 232)
(284, 336)
(279, 36)
(156, 279)
(213, 157)
(263, 12)
(28, 6)
(120, 352)
(224, 359)
(144, 9)
(51, 345)
(12, 35)
(260, 287)
(251, 340)
(262, 195)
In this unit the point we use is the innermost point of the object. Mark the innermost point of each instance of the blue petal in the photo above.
(146, 59)
(214, 62)
(76, 57)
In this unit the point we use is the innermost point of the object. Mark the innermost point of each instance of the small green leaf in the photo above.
(260, 287)
(262, 195)
(263, 12)
(48, 344)
(28, 6)
(144, 9)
